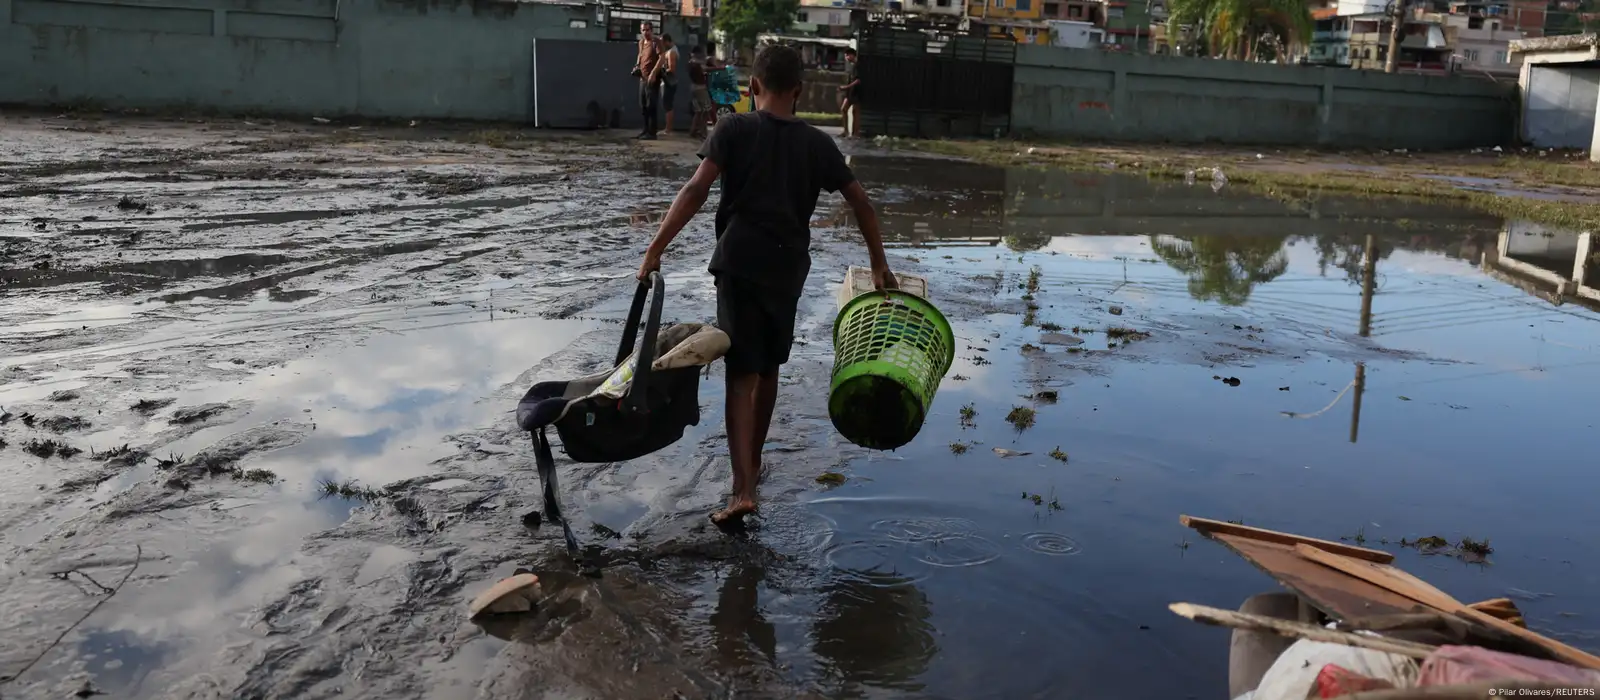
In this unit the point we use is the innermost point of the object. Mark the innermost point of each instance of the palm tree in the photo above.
(1235, 28)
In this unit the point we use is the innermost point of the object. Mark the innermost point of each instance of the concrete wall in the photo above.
(1559, 109)
(1068, 93)
(464, 59)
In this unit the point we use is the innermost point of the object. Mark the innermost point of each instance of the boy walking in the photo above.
(773, 166)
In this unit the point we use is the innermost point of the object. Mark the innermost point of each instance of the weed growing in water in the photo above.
(62, 395)
(1475, 547)
(959, 448)
(348, 489)
(1046, 396)
(1050, 327)
(1125, 334)
(1030, 347)
(1033, 279)
(1057, 455)
(1036, 498)
(1021, 418)
(969, 414)
(45, 449)
(254, 476)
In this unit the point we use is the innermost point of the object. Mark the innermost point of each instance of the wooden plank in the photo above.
(1383, 575)
(1335, 593)
(1213, 526)
(1405, 584)
(1299, 630)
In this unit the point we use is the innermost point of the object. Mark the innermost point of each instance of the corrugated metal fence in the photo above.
(922, 85)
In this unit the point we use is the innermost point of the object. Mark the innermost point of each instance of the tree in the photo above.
(1223, 268)
(743, 20)
(1237, 29)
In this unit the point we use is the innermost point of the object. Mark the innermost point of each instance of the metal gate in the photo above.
(928, 86)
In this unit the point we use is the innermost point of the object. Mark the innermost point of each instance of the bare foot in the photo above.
(735, 512)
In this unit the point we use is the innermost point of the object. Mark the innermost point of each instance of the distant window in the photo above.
(1052, 9)
(999, 3)
(801, 17)
(1114, 12)
(1500, 57)
(1472, 55)
(1024, 5)
(1075, 11)
(942, 3)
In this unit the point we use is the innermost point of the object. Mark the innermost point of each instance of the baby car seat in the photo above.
(642, 404)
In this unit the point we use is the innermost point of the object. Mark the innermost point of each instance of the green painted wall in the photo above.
(1066, 93)
(466, 59)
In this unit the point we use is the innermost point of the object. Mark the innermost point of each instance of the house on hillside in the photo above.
(1423, 47)
(1022, 20)
(1481, 45)
(1128, 23)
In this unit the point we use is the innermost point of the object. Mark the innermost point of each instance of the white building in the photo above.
(1075, 35)
(1482, 46)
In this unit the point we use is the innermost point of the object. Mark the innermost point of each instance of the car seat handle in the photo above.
(630, 330)
(656, 290)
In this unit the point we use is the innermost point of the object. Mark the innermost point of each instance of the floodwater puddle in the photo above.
(346, 475)
(1381, 402)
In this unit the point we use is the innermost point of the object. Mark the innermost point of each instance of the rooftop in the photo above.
(1567, 42)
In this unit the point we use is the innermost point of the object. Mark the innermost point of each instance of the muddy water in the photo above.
(366, 312)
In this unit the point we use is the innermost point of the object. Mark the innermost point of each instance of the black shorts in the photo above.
(759, 322)
(669, 94)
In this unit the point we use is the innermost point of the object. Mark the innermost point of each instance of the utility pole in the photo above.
(1397, 19)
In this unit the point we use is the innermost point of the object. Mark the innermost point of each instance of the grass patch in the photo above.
(1125, 334)
(1390, 177)
(1021, 418)
(63, 395)
(830, 479)
(821, 118)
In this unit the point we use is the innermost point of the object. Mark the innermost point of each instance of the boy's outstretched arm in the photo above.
(861, 205)
(684, 207)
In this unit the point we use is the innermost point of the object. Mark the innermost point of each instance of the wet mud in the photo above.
(289, 357)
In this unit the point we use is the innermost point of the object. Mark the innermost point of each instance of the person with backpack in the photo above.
(773, 166)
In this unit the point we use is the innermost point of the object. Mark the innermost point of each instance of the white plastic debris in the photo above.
(319, 120)
(1259, 156)
(1032, 150)
(1218, 180)
(1497, 149)
(1401, 151)
(1188, 178)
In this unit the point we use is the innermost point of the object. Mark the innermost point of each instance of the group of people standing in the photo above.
(657, 70)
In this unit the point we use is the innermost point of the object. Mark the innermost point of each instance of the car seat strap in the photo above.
(547, 476)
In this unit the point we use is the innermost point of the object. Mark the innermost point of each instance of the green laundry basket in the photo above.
(890, 349)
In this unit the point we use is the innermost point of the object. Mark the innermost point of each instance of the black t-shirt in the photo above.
(773, 169)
